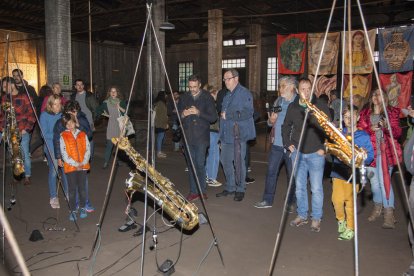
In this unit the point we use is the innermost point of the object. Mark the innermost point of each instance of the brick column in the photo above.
(255, 54)
(58, 43)
(215, 47)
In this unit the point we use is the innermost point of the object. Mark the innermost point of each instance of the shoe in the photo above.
(214, 183)
(316, 225)
(249, 180)
(186, 169)
(389, 219)
(341, 226)
(298, 221)
(26, 181)
(72, 216)
(161, 155)
(376, 212)
(192, 197)
(347, 235)
(54, 203)
(238, 196)
(83, 214)
(262, 204)
(224, 193)
(205, 197)
(249, 169)
(89, 208)
(127, 226)
(291, 208)
(45, 159)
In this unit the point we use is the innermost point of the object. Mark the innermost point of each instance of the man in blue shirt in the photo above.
(236, 128)
(278, 154)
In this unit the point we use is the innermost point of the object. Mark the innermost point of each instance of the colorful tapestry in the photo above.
(361, 58)
(398, 88)
(291, 52)
(396, 49)
(329, 60)
(324, 84)
(361, 85)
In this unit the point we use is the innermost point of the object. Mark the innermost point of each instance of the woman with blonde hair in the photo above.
(112, 107)
(373, 121)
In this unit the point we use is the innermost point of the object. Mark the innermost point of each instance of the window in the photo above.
(228, 42)
(240, 42)
(185, 70)
(271, 78)
(233, 63)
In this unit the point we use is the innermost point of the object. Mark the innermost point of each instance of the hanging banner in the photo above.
(361, 57)
(324, 84)
(291, 52)
(398, 88)
(361, 85)
(329, 60)
(396, 49)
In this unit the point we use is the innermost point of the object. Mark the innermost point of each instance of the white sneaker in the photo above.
(161, 155)
(54, 203)
(214, 183)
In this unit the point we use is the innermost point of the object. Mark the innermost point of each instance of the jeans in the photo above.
(277, 156)
(198, 155)
(227, 160)
(77, 187)
(160, 140)
(25, 145)
(108, 150)
(377, 185)
(213, 157)
(311, 164)
(53, 167)
(177, 145)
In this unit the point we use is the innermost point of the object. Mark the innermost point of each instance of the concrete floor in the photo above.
(245, 235)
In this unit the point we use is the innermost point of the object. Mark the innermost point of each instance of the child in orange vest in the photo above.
(75, 149)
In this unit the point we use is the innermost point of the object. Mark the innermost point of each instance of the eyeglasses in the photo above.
(226, 79)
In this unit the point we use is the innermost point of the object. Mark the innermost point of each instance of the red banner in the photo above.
(291, 51)
(398, 88)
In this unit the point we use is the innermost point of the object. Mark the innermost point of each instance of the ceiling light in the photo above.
(251, 45)
(167, 26)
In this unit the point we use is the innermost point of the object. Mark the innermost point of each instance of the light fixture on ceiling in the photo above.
(250, 43)
(166, 25)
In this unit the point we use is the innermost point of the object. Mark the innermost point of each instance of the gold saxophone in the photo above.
(13, 138)
(161, 190)
(341, 146)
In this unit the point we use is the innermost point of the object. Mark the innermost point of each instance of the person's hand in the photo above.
(320, 152)
(272, 117)
(223, 115)
(292, 148)
(24, 132)
(60, 163)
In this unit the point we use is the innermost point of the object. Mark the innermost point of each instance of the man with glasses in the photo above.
(236, 128)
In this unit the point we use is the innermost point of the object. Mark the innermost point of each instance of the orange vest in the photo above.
(75, 149)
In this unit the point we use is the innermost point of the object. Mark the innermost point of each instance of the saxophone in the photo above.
(161, 190)
(341, 146)
(13, 138)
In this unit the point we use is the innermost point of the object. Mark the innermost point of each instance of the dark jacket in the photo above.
(197, 128)
(90, 101)
(59, 128)
(313, 136)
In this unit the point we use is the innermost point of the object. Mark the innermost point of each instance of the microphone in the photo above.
(154, 240)
(12, 202)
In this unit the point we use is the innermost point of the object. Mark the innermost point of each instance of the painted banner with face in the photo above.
(396, 49)
(329, 60)
(324, 84)
(361, 85)
(361, 57)
(398, 88)
(291, 51)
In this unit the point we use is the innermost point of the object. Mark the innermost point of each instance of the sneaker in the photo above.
(291, 208)
(89, 208)
(262, 204)
(316, 225)
(298, 221)
(249, 180)
(54, 203)
(341, 226)
(161, 155)
(83, 214)
(192, 197)
(26, 181)
(186, 169)
(72, 216)
(214, 183)
(347, 235)
(249, 169)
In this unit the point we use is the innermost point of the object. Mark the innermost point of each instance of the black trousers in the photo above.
(76, 181)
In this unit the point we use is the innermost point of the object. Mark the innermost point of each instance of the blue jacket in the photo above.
(362, 140)
(238, 107)
(47, 122)
(59, 128)
(197, 128)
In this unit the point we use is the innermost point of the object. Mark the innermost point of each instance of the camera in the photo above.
(273, 109)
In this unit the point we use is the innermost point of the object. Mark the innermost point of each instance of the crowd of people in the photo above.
(213, 127)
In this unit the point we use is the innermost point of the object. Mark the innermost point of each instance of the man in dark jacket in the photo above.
(197, 110)
(311, 154)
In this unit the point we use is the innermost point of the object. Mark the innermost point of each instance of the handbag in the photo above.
(125, 122)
